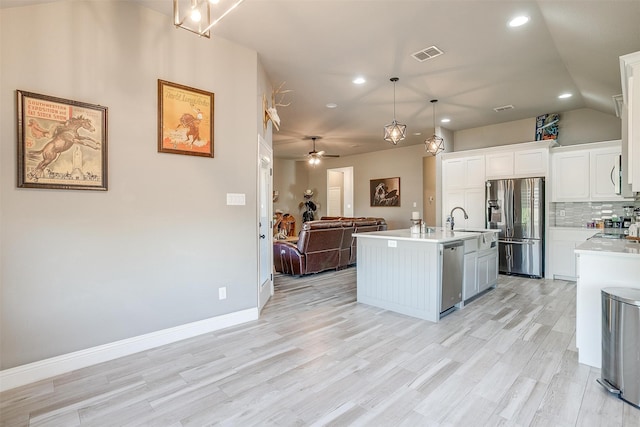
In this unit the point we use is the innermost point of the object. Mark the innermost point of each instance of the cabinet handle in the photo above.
(611, 175)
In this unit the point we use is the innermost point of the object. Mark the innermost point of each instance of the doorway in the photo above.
(265, 218)
(340, 192)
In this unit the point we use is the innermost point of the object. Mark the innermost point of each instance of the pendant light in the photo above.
(394, 132)
(434, 144)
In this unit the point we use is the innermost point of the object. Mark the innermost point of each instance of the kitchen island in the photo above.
(403, 272)
(602, 263)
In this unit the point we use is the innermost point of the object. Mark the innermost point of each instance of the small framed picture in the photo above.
(62, 144)
(385, 191)
(185, 120)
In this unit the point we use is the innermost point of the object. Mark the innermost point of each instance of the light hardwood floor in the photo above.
(316, 357)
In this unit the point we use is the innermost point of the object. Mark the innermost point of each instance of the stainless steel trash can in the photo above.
(621, 343)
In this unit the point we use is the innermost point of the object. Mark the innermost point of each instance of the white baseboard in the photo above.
(36, 371)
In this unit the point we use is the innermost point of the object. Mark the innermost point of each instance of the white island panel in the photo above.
(602, 263)
(400, 275)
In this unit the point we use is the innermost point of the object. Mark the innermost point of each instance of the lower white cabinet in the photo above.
(480, 269)
(562, 258)
(487, 268)
(470, 274)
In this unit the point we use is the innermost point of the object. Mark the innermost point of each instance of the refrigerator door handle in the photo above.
(515, 242)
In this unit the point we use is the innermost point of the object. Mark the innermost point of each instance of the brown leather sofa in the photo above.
(326, 244)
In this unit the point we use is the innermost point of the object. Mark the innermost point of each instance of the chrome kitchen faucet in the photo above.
(450, 217)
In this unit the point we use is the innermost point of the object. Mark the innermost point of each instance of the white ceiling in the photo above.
(319, 46)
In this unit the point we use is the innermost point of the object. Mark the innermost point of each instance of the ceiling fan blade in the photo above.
(331, 155)
(320, 153)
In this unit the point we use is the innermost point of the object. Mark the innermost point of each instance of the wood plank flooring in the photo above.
(316, 357)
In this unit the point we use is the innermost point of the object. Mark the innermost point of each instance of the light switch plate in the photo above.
(236, 199)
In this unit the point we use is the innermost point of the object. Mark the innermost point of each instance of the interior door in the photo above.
(265, 219)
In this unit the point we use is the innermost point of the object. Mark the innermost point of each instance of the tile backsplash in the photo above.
(578, 214)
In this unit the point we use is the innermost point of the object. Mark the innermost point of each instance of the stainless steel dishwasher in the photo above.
(452, 266)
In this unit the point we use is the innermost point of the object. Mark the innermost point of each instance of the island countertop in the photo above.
(610, 247)
(435, 234)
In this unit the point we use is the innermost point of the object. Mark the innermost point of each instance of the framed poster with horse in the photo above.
(185, 120)
(385, 191)
(62, 144)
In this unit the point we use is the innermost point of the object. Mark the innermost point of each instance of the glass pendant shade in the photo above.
(395, 132)
(434, 144)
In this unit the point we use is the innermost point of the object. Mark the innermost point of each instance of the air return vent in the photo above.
(427, 53)
(503, 108)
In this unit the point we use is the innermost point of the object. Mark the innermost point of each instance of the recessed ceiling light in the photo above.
(518, 21)
(359, 80)
(565, 96)
(331, 105)
(445, 120)
(418, 133)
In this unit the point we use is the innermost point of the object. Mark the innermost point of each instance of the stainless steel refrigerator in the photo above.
(516, 208)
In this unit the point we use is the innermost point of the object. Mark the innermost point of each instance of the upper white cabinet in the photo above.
(588, 172)
(605, 174)
(517, 163)
(630, 79)
(463, 185)
(463, 172)
(499, 164)
(570, 176)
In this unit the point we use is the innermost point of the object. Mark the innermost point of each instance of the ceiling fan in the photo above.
(315, 156)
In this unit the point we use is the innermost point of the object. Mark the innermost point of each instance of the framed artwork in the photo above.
(385, 191)
(62, 144)
(185, 120)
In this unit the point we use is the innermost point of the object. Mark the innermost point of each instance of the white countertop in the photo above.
(610, 247)
(436, 235)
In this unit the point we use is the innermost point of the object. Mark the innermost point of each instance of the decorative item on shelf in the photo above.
(394, 132)
(309, 206)
(271, 113)
(434, 144)
(276, 195)
(199, 16)
(547, 127)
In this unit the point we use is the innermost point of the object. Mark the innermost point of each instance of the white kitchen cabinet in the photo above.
(630, 79)
(531, 162)
(499, 165)
(570, 176)
(463, 185)
(470, 276)
(471, 200)
(604, 174)
(517, 163)
(487, 268)
(463, 172)
(586, 172)
(561, 246)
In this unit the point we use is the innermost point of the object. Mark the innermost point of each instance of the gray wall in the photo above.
(576, 127)
(403, 162)
(84, 268)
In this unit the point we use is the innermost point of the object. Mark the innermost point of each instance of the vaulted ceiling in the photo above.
(319, 46)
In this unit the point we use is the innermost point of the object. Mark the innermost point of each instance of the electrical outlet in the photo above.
(222, 293)
(562, 212)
